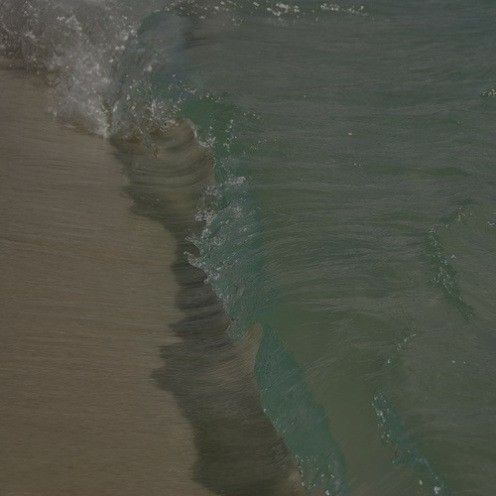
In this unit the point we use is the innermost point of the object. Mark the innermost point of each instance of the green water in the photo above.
(372, 178)
(353, 216)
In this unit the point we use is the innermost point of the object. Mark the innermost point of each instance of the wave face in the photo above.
(351, 215)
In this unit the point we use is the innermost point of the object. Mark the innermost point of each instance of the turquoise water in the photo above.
(353, 216)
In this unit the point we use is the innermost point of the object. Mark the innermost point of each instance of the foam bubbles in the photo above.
(75, 45)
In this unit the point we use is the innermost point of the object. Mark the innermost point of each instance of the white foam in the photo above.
(76, 45)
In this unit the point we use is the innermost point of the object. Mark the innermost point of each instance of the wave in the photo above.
(122, 73)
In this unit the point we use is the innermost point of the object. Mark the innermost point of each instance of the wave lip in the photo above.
(211, 374)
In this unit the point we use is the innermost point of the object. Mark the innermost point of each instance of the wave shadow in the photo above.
(212, 377)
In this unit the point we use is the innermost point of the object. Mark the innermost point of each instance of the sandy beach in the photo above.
(87, 295)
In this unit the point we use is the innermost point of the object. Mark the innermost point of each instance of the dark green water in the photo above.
(373, 183)
(354, 218)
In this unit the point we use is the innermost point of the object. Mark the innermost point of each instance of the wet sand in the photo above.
(87, 293)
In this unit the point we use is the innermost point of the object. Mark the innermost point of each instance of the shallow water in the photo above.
(352, 215)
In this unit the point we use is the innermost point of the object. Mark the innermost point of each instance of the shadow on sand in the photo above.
(212, 377)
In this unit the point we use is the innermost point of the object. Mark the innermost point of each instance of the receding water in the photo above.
(353, 215)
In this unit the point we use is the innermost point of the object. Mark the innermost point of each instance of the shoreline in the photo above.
(134, 337)
(87, 293)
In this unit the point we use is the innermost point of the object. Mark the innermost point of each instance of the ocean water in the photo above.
(351, 216)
